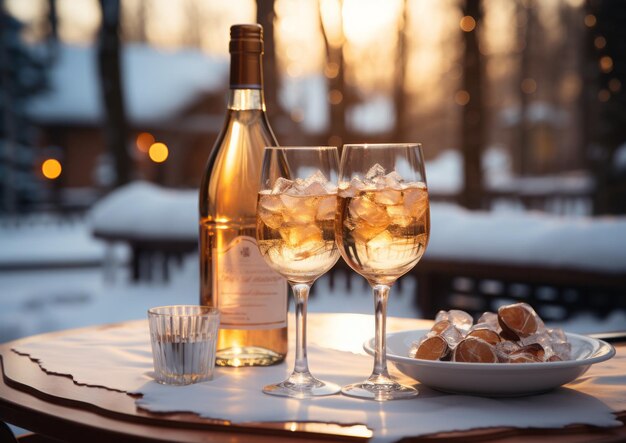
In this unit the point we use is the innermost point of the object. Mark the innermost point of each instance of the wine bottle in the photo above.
(234, 277)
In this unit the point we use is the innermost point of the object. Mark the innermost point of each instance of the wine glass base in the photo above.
(288, 389)
(379, 391)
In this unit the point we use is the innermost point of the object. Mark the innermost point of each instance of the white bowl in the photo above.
(493, 379)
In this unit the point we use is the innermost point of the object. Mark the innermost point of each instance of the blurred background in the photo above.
(109, 110)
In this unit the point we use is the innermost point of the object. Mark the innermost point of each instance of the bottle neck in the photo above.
(246, 70)
(246, 79)
(246, 99)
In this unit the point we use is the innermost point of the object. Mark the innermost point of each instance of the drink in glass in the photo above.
(296, 236)
(382, 229)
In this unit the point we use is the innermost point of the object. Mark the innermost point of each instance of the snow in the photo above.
(536, 113)
(445, 176)
(157, 84)
(43, 243)
(595, 244)
(374, 115)
(142, 210)
(308, 96)
(42, 300)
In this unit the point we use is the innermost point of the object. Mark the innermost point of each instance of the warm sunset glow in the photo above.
(606, 64)
(364, 19)
(330, 11)
(299, 42)
(51, 169)
(158, 152)
(80, 21)
(462, 97)
(468, 24)
(371, 33)
(144, 141)
(432, 52)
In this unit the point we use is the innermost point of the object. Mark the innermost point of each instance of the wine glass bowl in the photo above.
(295, 229)
(382, 228)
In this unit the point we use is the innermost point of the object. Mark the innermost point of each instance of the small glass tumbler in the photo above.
(183, 343)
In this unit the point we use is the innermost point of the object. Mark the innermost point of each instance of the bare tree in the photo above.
(399, 85)
(335, 69)
(265, 17)
(473, 117)
(115, 127)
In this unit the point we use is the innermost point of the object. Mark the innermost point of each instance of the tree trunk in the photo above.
(265, 16)
(473, 118)
(399, 92)
(523, 158)
(115, 129)
(335, 68)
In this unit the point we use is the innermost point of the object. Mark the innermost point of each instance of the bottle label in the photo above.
(250, 295)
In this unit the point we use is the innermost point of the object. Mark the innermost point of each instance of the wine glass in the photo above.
(382, 228)
(295, 232)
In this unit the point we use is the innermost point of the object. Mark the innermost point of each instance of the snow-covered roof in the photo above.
(142, 210)
(145, 211)
(157, 84)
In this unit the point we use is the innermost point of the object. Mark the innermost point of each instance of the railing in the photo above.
(556, 293)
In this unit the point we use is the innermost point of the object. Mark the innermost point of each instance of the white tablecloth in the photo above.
(120, 358)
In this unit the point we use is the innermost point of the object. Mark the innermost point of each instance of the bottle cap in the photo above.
(246, 38)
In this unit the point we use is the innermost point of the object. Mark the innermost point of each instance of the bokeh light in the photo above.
(604, 95)
(468, 24)
(590, 20)
(144, 141)
(462, 97)
(158, 152)
(335, 97)
(51, 168)
(606, 64)
(529, 85)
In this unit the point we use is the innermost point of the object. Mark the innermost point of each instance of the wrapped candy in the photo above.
(515, 334)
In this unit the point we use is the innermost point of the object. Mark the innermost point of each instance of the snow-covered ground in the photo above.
(36, 301)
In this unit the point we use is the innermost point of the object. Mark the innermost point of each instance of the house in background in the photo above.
(176, 98)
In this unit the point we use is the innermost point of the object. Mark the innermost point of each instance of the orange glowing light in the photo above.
(158, 152)
(606, 64)
(590, 20)
(599, 42)
(462, 97)
(335, 97)
(331, 70)
(468, 24)
(144, 141)
(51, 169)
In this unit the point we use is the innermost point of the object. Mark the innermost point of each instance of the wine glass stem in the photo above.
(381, 293)
(301, 295)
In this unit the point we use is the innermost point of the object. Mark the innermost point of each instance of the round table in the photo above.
(54, 406)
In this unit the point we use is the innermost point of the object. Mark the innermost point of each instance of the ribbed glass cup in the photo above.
(183, 341)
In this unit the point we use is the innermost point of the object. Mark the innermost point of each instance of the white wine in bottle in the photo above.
(234, 277)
